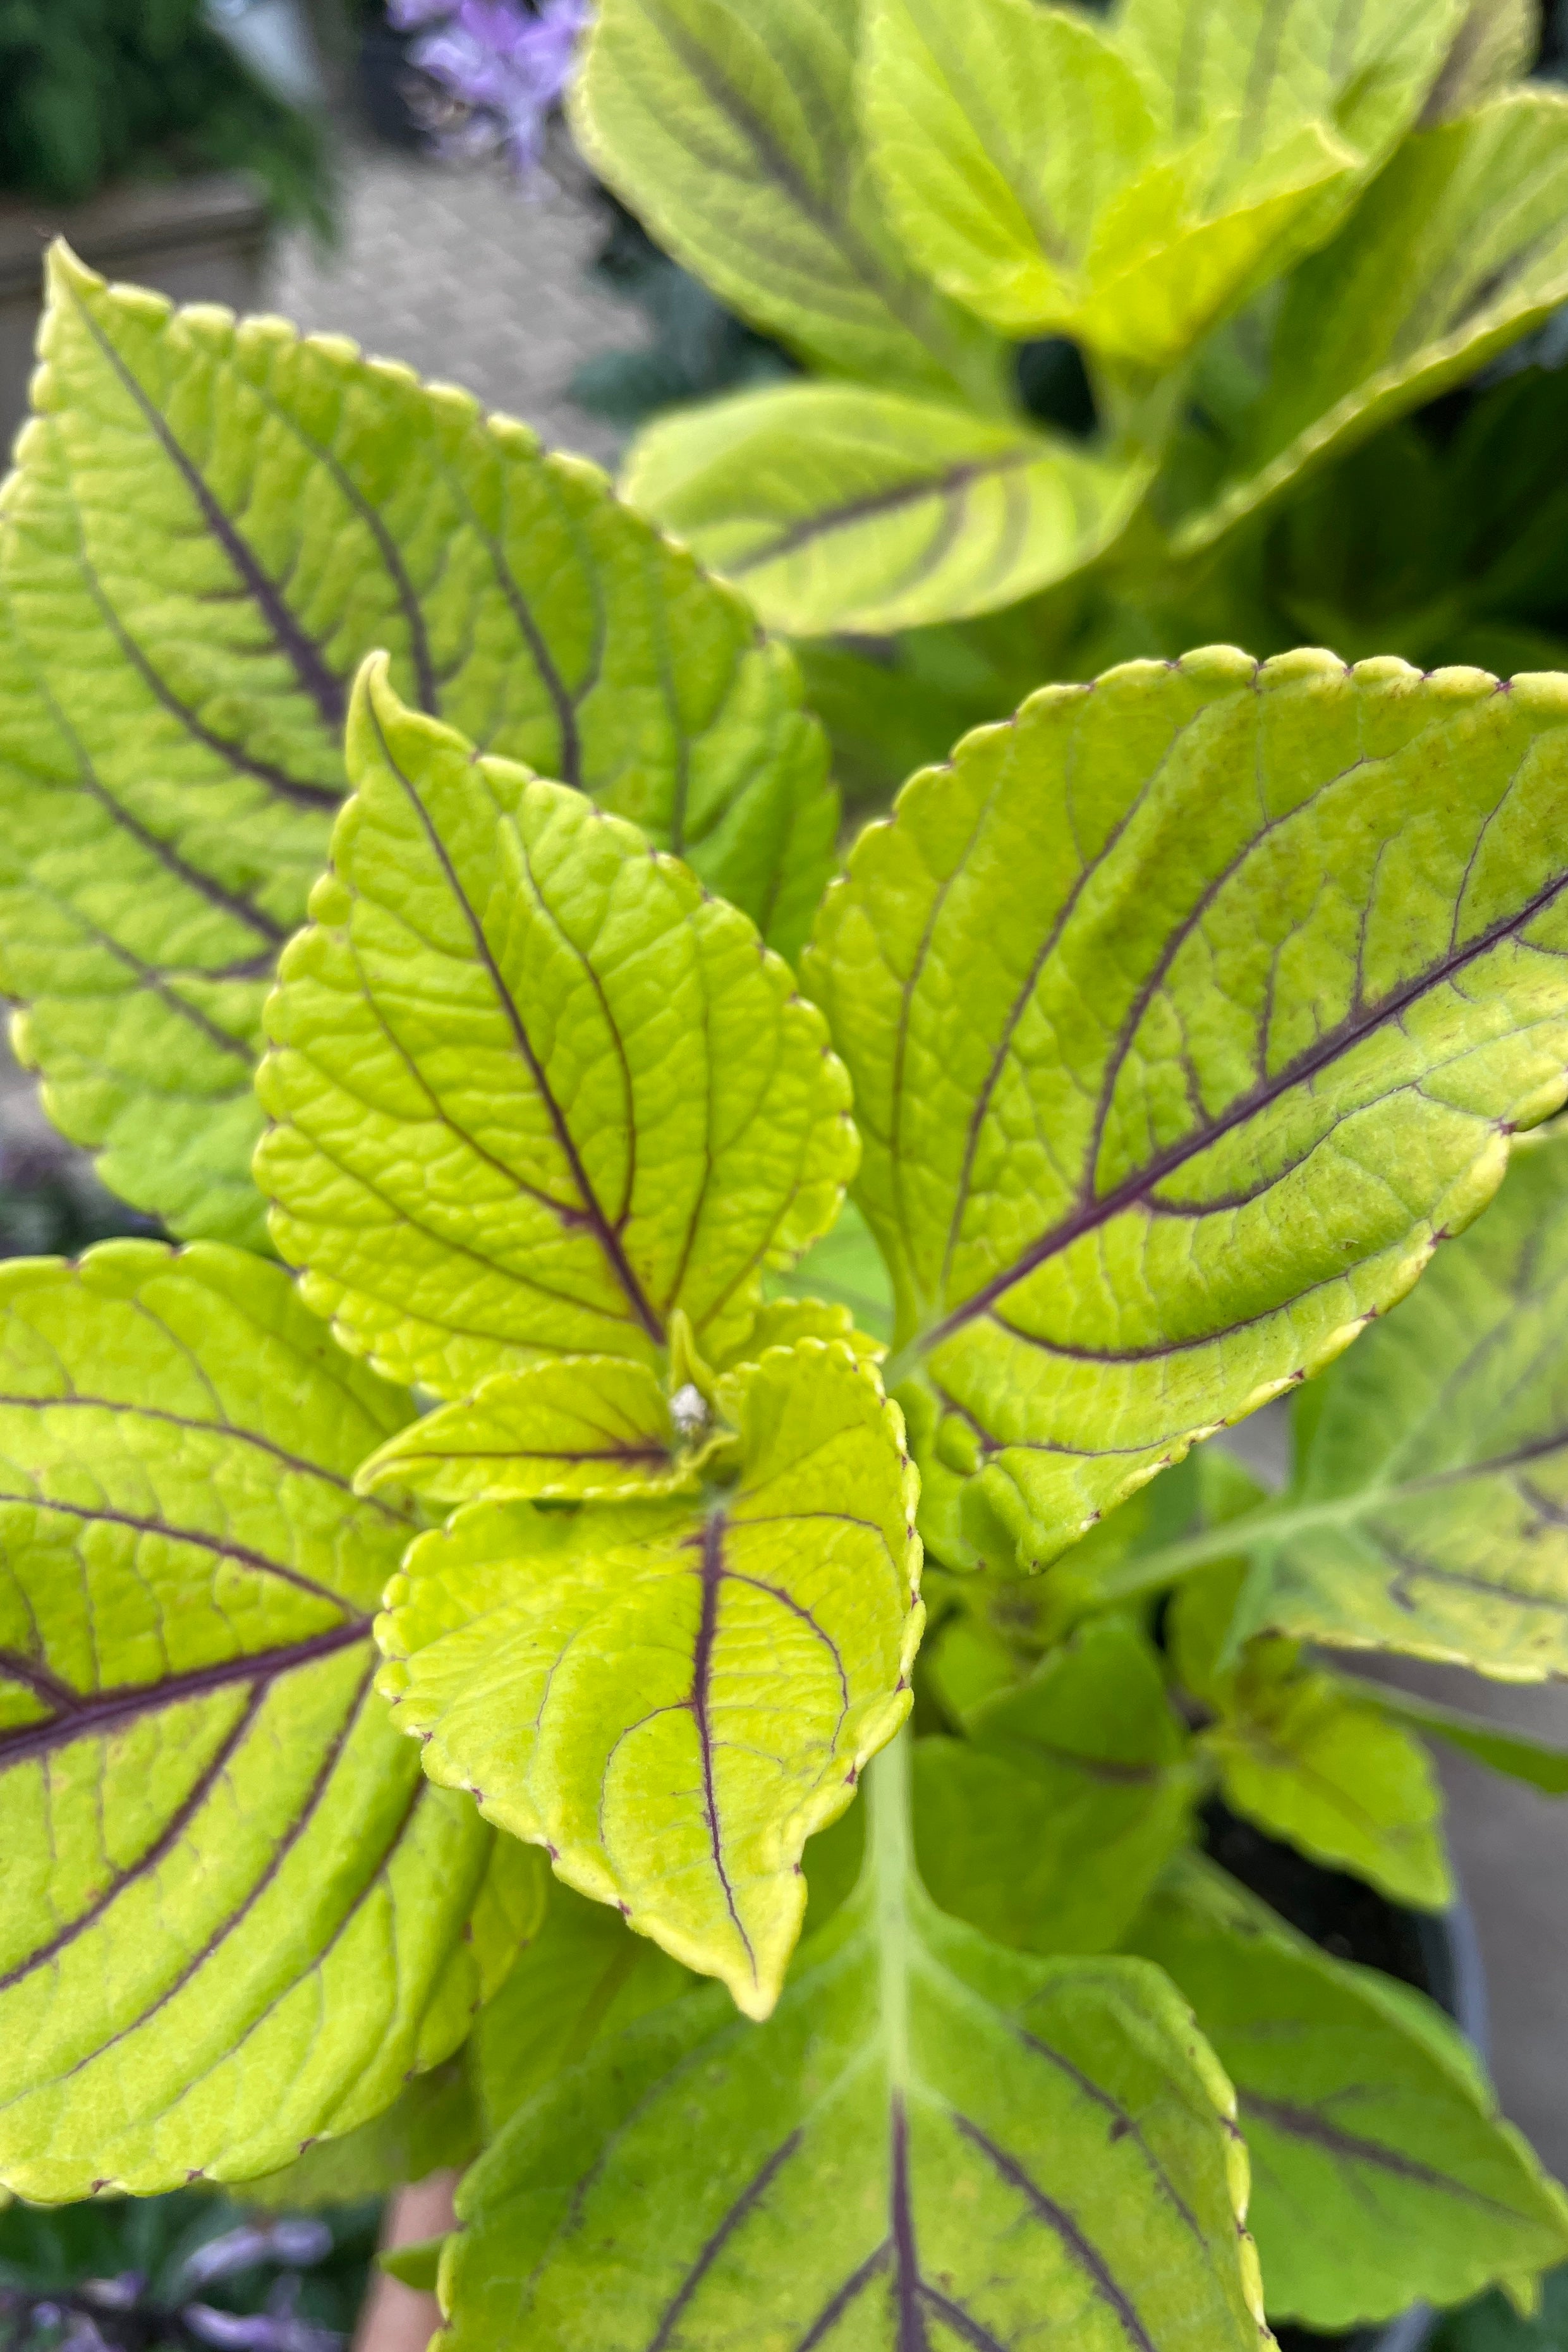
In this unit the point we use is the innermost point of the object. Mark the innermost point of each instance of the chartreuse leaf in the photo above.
(433, 2125)
(933, 2143)
(672, 1698)
(1303, 1753)
(210, 525)
(235, 1916)
(1383, 2172)
(533, 1091)
(1496, 42)
(997, 134)
(1459, 247)
(1185, 1012)
(1262, 67)
(1048, 1824)
(1022, 162)
(580, 1428)
(836, 508)
(1542, 1768)
(582, 1980)
(908, 511)
(1429, 1507)
(730, 127)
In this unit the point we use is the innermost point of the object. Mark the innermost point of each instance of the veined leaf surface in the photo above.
(571, 1428)
(837, 508)
(1459, 247)
(210, 525)
(934, 2142)
(236, 1916)
(1382, 2173)
(1048, 1824)
(999, 133)
(1495, 42)
(1263, 67)
(1185, 1012)
(534, 1089)
(672, 1699)
(1429, 1507)
(1022, 162)
(730, 127)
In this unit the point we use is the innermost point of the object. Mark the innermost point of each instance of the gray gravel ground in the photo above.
(468, 280)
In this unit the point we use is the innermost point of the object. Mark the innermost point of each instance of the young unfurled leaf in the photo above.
(534, 1090)
(1188, 238)
(1428, 1509)
(236, 1916)
(672, 1699)
(1459, 247)
(1050, 1822)
(583, 1428)
(1022, 162)
(1185, 1012)
(1304, 1753)
(933, 2142)
(1262, 67)
(834, 508)
(1310, 1765)
(1382, 2173)
(210, 525)
(730, 127)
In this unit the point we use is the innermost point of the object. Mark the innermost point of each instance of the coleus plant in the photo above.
(429, 1652)
(1266, 231)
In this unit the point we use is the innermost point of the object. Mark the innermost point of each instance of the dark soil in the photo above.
(1353, 1922)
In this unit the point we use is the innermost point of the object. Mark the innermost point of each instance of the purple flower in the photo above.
(507, 64)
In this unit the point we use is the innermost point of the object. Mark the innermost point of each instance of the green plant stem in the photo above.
(1272, 1522)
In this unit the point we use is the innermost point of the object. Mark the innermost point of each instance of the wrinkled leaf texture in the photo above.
(1186, 1012)
(235, 1915)
(533, 1091)
(673, 1697)
(835, 508)
(210, 524)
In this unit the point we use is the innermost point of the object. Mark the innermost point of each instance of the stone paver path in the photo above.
(470, 281)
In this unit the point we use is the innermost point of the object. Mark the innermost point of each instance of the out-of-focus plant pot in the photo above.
(199, 240)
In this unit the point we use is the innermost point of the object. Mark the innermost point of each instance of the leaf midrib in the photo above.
(1332, 1046)
(110, 1710)
(598, 1224)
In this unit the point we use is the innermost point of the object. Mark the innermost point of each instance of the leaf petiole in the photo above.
(1272, 1522)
